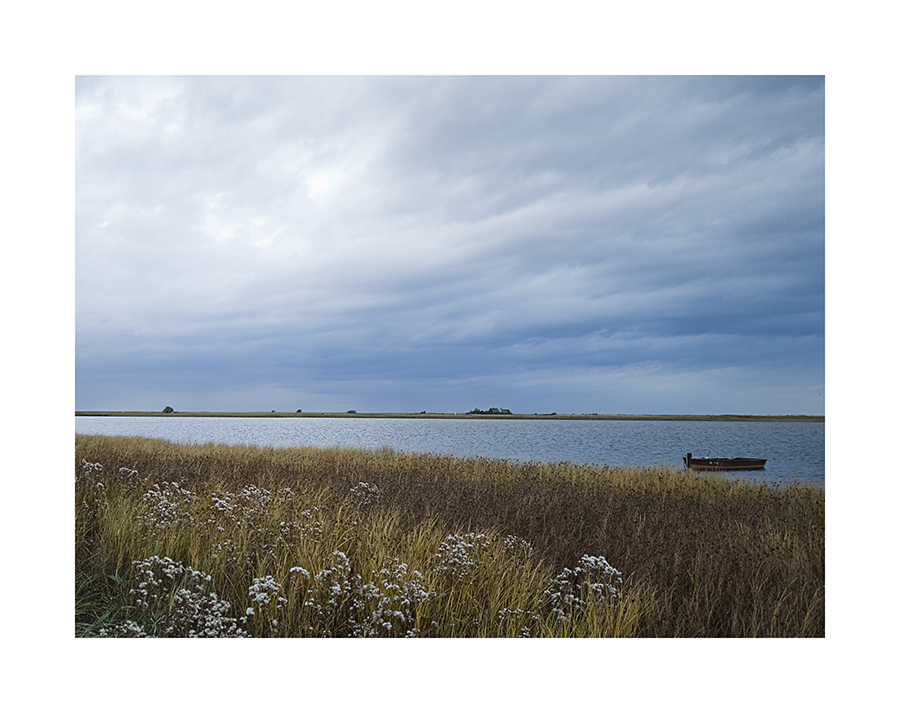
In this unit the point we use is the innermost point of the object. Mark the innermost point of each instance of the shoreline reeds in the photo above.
(215, 540)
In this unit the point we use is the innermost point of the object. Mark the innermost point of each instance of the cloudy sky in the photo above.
(567, 244)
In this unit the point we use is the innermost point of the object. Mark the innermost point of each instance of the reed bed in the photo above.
(240, 541)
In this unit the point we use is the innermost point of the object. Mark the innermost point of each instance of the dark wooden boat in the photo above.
(724, 463)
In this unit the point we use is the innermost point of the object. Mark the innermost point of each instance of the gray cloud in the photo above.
(444, 243)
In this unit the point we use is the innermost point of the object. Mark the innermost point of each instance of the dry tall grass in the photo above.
(341, 542)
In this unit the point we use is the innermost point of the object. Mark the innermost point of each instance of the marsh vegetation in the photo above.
(217, 540)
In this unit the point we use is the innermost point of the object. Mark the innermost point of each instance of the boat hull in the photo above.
(724, 463)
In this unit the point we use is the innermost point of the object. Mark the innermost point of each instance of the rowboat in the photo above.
(724, 463)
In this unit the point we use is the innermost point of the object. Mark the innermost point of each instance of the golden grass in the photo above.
(699, 555)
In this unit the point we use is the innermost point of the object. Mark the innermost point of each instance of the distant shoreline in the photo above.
(483, 416)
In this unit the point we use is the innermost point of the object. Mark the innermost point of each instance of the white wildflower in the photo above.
(167, 506)
(364, 494)
(592, 579)
(178, 599)
(455, 555)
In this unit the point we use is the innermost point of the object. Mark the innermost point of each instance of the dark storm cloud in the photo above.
(563, 243)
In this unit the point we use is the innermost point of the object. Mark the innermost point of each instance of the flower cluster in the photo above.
(517, 546)
(249, 511)
(179, 603)
(263, 593)
(91, 488)
(343, 605)
(128, 629)
(455, 556)
(516, 616)
(331, 598)
(309, 528)
(250, 507)
(253, 505)
(364, 494)
(593, 579)
(131, 479)
(167, 506)
(90, 471)
(390, 605)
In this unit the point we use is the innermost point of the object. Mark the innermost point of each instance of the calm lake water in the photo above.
(794, 450)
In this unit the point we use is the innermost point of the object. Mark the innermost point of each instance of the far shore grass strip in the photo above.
(211, 540)
(482, 416)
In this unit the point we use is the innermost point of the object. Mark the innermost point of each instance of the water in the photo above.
(795, 451)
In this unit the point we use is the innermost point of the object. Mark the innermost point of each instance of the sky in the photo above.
(569, 244)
